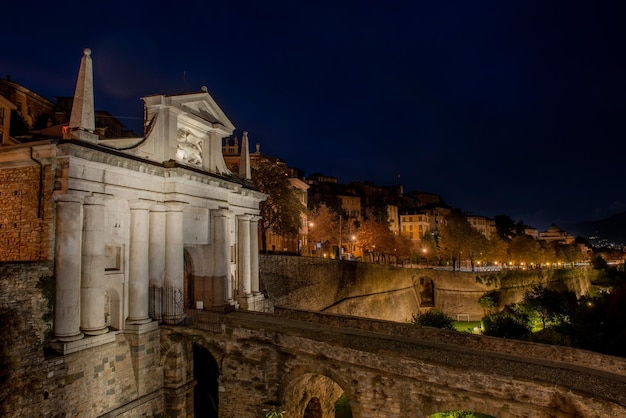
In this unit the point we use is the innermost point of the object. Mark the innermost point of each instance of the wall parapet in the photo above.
(533, 351)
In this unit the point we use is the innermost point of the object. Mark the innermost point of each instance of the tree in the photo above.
(497, 250)
(323, 225)
(18, 124)
(281, 212)
(427, 247)
(505, 226)
(487, 302)
(524, 249)
(376, 238)
(44, 120)
(550, 307)
(460, 241)
(403, 246)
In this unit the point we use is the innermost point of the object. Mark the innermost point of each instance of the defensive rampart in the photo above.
(396, 293)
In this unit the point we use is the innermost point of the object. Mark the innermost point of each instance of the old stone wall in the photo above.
(98, 380)
(25, 221)
(265, 359)
(396, 293)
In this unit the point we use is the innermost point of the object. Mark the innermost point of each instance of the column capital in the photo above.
(68, 197)
(95, 200)
(139, 204)
(157, 207)
(244, 218)
(175, 206)
(255, 218)
(222, 212)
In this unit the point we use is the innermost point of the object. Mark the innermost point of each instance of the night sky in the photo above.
(514, 107)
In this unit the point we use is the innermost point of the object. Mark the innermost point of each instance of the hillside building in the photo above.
(556, 235)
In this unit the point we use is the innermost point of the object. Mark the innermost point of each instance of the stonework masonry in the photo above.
(121, 378)
(264, 358)
(292, 357)
(396, 293)
(25, 225)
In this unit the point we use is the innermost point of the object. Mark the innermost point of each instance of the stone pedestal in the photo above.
(144, 342)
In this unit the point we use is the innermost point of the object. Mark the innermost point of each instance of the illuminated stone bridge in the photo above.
(304, 361)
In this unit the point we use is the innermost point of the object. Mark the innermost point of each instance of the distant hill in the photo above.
(612, 229)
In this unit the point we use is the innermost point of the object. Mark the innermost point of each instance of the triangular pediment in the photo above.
(202, 106)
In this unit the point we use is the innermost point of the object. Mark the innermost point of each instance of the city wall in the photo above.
(26, 226)
(117, 374)
(396, 293)
(389, 370)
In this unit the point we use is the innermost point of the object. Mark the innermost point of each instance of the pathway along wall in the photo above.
(396, 293)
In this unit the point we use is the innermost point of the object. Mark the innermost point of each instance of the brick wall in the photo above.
(25, 220)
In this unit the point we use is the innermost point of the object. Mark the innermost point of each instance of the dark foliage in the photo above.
(434, 319)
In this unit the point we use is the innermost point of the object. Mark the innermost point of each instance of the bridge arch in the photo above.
(206, 391)
(312, 392)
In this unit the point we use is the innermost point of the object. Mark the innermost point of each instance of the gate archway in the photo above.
(206, 391)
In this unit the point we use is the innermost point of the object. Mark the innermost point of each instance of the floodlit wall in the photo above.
(396, 293)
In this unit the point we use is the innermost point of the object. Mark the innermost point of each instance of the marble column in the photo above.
(139, 262)
(243, 256)
(92, 294)
(254, 255)
(157, 259)
(222, 286)
(69, 235)
(174, 302)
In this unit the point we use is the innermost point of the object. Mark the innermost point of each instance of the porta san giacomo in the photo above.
(118, 223)
(130, 287)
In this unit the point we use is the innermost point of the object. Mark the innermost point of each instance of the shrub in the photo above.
(434, 319)
(504, 326)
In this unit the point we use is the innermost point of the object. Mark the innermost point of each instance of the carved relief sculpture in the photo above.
(188, 148)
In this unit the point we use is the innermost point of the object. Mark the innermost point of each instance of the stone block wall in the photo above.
(91, 382)
(25, 221)
(393, 293)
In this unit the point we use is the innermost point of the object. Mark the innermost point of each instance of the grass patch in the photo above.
(466, 326)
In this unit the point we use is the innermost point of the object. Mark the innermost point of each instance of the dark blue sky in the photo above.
(513, 107)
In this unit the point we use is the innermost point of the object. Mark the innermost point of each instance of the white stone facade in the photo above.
(147, 227)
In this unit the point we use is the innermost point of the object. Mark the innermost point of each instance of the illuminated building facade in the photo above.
(164, 219)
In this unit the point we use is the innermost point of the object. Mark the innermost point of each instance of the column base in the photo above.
(141, 328)
(250, 302)
(69, 338)
(82, 344)
(138, 321)
(174, 319)
(94, 332)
